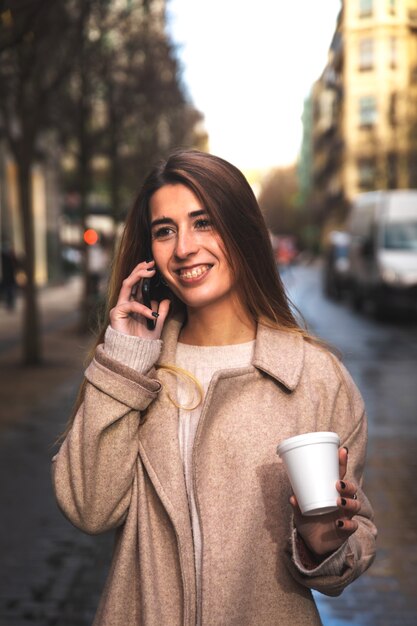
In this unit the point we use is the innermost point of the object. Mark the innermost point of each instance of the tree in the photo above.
(30, 76)
(278, 201)
(147, 113)
(125, 107)
(62, 64)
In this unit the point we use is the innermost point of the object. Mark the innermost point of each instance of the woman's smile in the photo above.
(193, 274)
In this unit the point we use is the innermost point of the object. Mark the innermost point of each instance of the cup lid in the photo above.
(306, 439)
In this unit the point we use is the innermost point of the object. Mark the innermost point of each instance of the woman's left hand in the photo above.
(324, 534)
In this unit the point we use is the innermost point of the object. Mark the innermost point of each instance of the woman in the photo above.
(208, 531)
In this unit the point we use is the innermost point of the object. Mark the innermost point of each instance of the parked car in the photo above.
(336, 264)
(383, 250)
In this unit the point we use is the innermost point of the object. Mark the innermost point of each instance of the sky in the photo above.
(248, 65)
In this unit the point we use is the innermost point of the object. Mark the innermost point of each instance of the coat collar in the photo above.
(278, 353)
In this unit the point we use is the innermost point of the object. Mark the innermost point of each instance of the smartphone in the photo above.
(153, 289)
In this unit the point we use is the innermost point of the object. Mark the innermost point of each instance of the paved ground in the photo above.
(51, 574)
(382, 358)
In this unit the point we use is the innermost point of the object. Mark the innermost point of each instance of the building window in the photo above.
(392, 111)
(392, 169)
(328, 110)
(366, 174)
(393, 52)
(365, 8)
(412, 170)
(366, 54)
(367, 111)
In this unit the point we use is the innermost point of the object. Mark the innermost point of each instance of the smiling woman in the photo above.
(208, 531)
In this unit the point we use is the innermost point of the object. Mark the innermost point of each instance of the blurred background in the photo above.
(317, 104)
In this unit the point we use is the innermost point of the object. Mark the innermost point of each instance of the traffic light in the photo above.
(90, 236)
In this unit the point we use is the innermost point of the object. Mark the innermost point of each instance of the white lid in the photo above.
(306, 439)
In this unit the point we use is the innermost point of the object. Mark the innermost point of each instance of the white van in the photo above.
(383, 250)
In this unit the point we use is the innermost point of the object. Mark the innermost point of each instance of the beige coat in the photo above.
(120, 467)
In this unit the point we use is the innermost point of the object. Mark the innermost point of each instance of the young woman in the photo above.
(174, 439)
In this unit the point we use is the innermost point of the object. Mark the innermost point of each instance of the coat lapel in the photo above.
(280, 354)
(159, 444)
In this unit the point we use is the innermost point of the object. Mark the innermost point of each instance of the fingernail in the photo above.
(342, 484)
(339, 523)
(343, 501)
(347, 449)
(155, 314)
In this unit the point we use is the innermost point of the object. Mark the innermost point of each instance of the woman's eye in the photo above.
(203, 224)
(162, 233)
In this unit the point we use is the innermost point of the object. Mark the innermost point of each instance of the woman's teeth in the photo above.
(195, 272)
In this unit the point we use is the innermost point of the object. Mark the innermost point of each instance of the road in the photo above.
(51, 574)
(382, 358)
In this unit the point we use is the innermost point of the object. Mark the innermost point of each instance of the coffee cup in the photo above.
(312, 464)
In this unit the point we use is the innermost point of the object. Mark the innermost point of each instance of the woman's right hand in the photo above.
(130, 314)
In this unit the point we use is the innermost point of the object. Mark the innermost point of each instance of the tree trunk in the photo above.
(32, 354)
(115, 178)
(84, 181)
(86, 298)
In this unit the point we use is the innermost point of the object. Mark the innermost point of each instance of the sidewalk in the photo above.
(58, 305)
(50, 573)
(23, 388)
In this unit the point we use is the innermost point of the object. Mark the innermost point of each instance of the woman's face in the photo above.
(187, 250)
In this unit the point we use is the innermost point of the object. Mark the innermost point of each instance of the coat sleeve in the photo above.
(94, 470)
(348, 419)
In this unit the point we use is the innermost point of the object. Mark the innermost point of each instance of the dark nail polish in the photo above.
(343, 501)
(347, 449)
(340, 524)
(342, 484)
(150, 269)
(155, 314)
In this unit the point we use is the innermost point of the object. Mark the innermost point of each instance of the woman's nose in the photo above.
(186, 244)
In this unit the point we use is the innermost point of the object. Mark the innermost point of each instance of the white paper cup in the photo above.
(312, 465)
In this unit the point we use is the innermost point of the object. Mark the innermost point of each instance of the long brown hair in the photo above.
(231, 204)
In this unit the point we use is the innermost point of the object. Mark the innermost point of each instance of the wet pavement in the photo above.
(51, 574)
(382, 358)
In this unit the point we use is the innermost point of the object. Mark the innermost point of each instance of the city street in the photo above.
(51, 574)
(382, 358)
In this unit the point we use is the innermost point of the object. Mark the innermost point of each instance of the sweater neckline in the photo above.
(213, 358)
(228, 347)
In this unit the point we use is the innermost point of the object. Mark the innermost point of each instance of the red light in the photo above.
(90, 237)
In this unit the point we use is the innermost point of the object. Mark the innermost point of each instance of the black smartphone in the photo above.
(153, 289)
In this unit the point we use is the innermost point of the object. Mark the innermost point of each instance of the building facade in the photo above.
(364, 131)
(45, 201)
